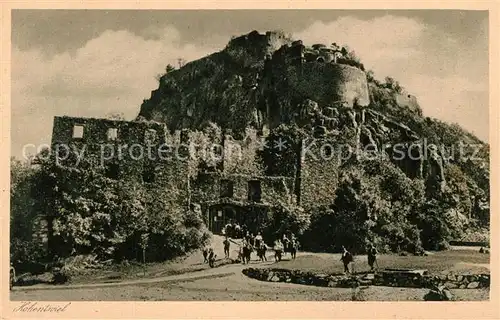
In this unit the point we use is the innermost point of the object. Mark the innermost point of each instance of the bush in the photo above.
(60, 276)
(400, 237)
(372, 205)
(442, 245)
(435, 231)
(118, 219)
(285, 219)
(26, 256)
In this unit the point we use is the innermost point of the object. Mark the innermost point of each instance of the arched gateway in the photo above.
(219, 215)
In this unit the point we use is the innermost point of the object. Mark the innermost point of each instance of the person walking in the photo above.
(372, 256)
(247, 251)
(206, 251)
(278, 250)
(211, 258)
(261, 251)
(285, 242)
(346, 259)
(237, 231)
(226, 244)
(258, 240)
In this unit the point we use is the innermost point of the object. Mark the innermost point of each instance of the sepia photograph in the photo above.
(249, 155)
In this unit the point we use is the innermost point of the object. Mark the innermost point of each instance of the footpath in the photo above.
(218, 272)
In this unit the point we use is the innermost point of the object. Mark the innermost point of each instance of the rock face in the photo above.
(266, 81)
(257, 80)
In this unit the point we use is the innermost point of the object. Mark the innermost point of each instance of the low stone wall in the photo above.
(423, 280)
(400, 278)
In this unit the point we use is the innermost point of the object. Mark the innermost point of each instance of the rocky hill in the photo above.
(269, 82)
(257, 80)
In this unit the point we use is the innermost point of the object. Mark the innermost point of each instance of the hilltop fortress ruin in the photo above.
(256, 84)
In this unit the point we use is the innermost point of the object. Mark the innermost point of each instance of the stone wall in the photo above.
(409, 101)
(40, 232)
(123, 151)
(418, 280)
(240, 156)
(135, 147)
(95, 131)
(318, 174)
(328, 83)
(393, 279)
(274, 190)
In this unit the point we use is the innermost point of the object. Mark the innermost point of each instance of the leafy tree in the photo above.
(285, 218)
(392, 84)
(93, 214)
(282, 161)
(431, 220)
(24, 209)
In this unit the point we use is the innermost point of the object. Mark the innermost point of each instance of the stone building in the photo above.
(150, 153)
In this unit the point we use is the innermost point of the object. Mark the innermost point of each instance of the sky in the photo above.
(90, 63)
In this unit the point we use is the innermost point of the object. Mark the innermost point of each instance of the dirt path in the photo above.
(227, 283)
(221, 271)
(233, 287)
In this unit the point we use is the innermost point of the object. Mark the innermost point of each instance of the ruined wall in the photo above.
(327, 83)
(409, 101)
(240, 156)
(274, 190)
(40, 228)
(145, 151)
(253, 47)
(318, 172)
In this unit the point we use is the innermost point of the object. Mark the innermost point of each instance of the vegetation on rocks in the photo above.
(398, 206)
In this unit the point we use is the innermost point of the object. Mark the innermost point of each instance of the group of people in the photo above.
(286, 244)
(250, 243)
(209, 256)
(234, 230)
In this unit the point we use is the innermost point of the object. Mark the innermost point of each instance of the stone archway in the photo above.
(220, 215)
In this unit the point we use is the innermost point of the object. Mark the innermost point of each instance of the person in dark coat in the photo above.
(261, 251)
(211, 258)
(205, 254)
(346, 259)
(247, 251)
(372, 256)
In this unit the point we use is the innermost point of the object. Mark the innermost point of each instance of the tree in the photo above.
(25, 208)
(285, 218)
(392, 84)
(93, 214)
(282, 161)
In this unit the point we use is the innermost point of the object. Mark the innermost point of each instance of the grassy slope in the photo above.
(458, 261)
